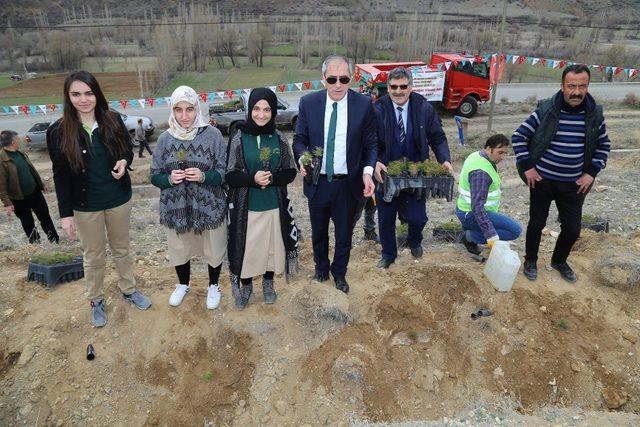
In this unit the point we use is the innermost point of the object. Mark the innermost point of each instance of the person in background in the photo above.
(188, 167)
(90, 150)
(262, 231)
(141, 137)
(479, 197)
(21, 189)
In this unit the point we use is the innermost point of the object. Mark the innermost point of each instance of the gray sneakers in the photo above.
(138, 299)
(98, 314)
(243, 298)
(268, 292)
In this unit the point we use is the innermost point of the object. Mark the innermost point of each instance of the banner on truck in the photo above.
(428, 83)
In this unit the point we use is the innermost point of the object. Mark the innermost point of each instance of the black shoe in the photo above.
(530, 270)
(384, 263)
(320, 277)
(342, 285)
(565, 271)
(417, 252)
(371, 235)
(269, 294)
(470, 246)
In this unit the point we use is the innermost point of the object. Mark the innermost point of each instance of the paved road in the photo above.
(513, 92)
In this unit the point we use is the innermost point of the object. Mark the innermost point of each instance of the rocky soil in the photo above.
(400, 348)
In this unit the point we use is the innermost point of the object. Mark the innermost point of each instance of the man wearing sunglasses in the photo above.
(342, 123)
(559, 151)
(407, 127)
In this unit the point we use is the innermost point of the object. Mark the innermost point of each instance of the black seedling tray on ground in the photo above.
(600, 225)
(51, 275)
(448, 235)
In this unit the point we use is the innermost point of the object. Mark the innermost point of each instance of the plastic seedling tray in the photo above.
(51, 275)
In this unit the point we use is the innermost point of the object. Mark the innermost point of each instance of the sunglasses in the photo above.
(333, 80)
(396, 87)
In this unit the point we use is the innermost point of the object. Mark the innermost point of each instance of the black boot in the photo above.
(243, 298)
(268, 292)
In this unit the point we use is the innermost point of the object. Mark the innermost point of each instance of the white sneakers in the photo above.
(178, 295)
(213, 296)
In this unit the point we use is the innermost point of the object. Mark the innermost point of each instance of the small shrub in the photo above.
(317, 152)
(396, 168)
(53, 258)
(207, 376)
(413, 335)
(562, 323)
(431, 168)
(414, 168)
(590, 219)
(306, 158)
(631, 100)
(452, 225)
(403, 229)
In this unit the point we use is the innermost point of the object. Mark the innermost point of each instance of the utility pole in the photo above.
(498, 59)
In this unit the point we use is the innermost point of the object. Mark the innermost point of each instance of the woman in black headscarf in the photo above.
(263, 237)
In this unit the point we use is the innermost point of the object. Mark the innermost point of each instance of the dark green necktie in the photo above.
(331, 142)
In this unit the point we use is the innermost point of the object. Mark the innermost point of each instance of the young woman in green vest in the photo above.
(91, 153)
(262, 233)
(479, 196)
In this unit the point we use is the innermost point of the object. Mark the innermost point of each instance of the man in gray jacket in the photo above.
(142, 139)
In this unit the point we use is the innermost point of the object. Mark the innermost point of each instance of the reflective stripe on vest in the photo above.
(474, 162)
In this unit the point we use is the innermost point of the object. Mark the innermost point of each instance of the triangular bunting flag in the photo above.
(212, 96)
(237, 92)
(142, 102)
(43, 108)
(607, 70)
(472, 60)
(521, 59)
(290, 87)
(281, 88)
(114, 104)
(203, 96)
(132, 103)
(633, 72)
(534, 61)
(151, 101)
(307, 85)
(229, 93)
(562, 63)
(59, 106)
(617, 71)
(52, 107)
(32, 109)
(6, 109)
(315, 84)
(299, 86)
(25, 109)
(220, 95)
(509, 58)
(247, 91)
(123, 103)
(514, 59)
(16, 108)
(447, 65)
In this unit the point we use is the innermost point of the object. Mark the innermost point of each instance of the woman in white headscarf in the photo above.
(189, 168)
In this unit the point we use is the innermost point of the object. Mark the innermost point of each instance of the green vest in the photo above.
(474, 162)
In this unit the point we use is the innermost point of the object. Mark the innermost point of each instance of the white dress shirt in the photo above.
(405, 113)
(340, 143)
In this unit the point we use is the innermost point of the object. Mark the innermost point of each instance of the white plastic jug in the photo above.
(502, 266)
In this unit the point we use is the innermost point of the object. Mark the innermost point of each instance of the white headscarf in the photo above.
(185, 93)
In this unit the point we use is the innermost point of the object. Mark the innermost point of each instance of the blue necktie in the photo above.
(331, 142)
(403, 135)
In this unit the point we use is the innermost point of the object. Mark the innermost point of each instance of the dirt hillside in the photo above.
(400, 347)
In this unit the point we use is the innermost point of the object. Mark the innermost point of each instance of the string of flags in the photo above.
(315, 84)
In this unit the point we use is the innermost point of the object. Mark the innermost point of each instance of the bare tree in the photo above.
(229, 42)
(257, 42)
(66, 49)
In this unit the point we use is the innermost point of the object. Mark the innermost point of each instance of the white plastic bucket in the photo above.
(502, 266)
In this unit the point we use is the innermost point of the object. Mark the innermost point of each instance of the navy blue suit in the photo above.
(336, 200)
(423, 131)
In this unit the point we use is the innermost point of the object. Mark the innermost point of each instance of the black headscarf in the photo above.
(249, 126)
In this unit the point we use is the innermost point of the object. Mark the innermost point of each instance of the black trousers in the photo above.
(332, 201)
(35, 202)
(569, 204)
(144, 144)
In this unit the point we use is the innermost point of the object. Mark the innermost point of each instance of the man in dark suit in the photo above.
(407, 126)
(342, 123)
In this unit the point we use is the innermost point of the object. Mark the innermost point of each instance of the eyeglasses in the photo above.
(333, 80)
(396, 87)
(574, 86)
